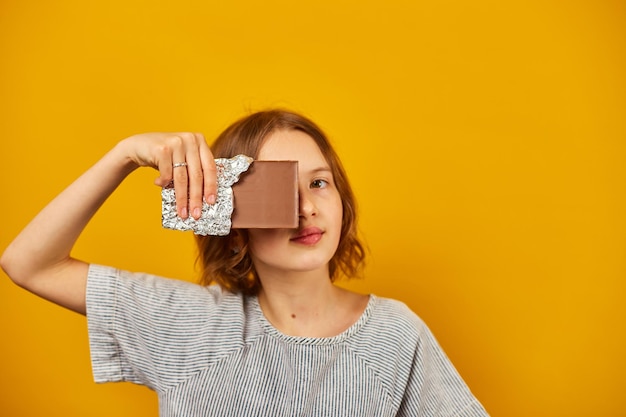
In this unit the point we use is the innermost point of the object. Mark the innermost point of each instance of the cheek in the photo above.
(261, 240)
(338, 210)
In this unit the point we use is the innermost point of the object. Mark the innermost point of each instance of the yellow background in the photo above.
(485, 141)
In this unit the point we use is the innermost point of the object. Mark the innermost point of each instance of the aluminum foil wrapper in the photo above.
(216, 218)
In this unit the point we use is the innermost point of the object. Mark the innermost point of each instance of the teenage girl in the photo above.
(266, 332)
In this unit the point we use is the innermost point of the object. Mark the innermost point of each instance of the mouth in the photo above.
(308, 236)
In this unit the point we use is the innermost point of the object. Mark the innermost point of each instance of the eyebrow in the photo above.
(320, 170)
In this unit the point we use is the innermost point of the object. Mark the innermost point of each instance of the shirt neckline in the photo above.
(317, 341)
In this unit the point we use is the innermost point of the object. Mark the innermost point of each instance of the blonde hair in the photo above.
(225, 260)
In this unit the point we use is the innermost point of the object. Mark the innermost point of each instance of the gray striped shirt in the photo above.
(208, 352)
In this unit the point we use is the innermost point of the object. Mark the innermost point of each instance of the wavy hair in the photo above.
(225, 260)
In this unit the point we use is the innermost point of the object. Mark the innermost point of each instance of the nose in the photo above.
(307, 205)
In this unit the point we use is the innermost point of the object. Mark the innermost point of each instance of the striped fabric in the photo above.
(212, 353)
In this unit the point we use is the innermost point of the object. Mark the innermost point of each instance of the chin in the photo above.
(312, 267)
(300, 263)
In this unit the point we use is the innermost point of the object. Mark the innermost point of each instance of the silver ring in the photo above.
(179, 164)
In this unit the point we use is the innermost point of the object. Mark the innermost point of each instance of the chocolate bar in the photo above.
(266, 196)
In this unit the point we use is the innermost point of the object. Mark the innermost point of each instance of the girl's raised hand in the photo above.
(182, 157)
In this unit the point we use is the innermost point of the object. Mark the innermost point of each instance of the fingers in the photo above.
(179, 173)
(195, 176)
(210, 173)
(186, 159)
(163, 162)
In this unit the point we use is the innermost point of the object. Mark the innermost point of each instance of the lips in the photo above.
(308, 236)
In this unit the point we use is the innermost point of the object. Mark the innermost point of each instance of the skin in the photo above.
(297, 296)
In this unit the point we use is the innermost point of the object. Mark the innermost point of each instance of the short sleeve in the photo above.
(435, 387)
(155, 331)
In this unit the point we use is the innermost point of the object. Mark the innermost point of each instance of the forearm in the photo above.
(46, 242)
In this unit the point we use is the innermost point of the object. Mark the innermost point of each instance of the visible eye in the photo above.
(318, 184)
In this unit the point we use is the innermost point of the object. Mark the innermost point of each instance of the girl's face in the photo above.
(313, 244)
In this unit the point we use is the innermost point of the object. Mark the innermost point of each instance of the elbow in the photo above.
(5, 262)
(10, 265)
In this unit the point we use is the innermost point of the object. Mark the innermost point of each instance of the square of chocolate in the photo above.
(266, 196)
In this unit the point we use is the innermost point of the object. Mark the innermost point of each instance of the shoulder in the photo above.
(147, 291)
(163, 307)
(396, 317)
(390, 332)
(392, 336)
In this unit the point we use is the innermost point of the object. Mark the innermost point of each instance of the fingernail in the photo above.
(183, 213)
(196, 213)
(211, 199)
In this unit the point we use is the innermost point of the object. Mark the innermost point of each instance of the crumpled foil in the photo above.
(216, 218)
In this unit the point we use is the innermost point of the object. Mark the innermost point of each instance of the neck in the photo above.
(301, 304)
